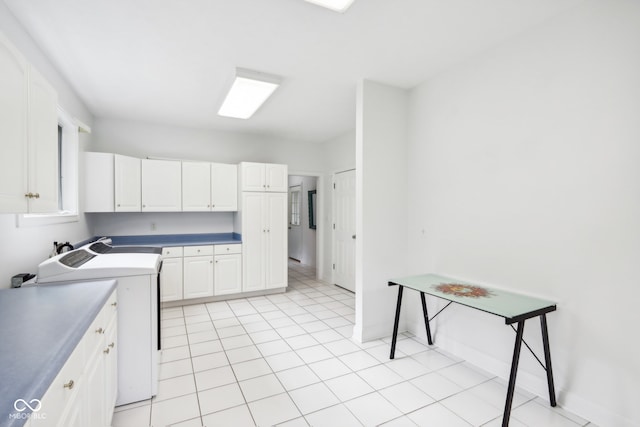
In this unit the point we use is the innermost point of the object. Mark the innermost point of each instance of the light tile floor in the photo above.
(288, 360)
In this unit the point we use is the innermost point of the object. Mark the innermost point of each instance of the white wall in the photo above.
(309, 240)
(24, 248)
(146, 139)
(339, 155)
(523, 172)
(381, 200)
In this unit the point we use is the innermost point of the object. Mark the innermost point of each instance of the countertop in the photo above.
(40, 327)
(167, 240)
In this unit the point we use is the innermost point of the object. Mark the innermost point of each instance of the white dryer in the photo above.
(138, 280)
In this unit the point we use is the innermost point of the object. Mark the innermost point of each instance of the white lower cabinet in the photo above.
(197, 279)
(171, 274)
(83, 392)
(200, 271)
(227, 270)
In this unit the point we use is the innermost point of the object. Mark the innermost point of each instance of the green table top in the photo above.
(512, 306)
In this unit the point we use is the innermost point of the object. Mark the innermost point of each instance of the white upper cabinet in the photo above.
(209, 187)
(28, 136)
(127, 181)
(98, 182)
(224, 187)
(196, 186)
(111, 183)
(161, 185)
(267, 177)
(276, 178)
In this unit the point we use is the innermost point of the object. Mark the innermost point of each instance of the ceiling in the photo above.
(171, 61)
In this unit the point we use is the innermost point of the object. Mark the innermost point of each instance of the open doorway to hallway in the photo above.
(302, 214)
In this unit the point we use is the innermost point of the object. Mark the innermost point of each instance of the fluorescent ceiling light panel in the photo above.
(250, 89)
(337, 5)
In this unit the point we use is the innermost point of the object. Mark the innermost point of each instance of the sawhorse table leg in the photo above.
(395, 325)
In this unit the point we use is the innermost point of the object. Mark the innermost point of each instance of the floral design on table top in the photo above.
(461, 290)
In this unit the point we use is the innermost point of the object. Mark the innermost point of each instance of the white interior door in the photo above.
(344, 229)
(295, 218)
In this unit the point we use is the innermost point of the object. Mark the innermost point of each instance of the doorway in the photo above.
(302, 237)
(344, 229)
(295, 229)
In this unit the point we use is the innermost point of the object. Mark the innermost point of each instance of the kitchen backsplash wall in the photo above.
(124, 223)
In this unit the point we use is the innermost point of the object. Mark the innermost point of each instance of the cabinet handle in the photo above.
(211, 262)
(37, 195)
(106, 351)
(114, 304)
(29, 195)
(112, 345)
(118, 204)
(99, 331)
(69, 385)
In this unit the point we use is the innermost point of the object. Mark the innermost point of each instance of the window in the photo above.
(67, 177)
(294, 207)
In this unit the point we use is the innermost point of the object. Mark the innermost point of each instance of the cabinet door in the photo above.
(43, 144)
(198, 277)
(253, 241)
(127, 184)
(13, 129)
(252, 176)
(227, 274)
(224, 187)
(111, 369)
(161, 185)
(196, 186)
(276, 178)
(95, 392)
(171, 279)
(76, 413)
(276, 242)
(99, 182)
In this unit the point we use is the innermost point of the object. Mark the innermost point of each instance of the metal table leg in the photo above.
(426, 318)
(512, 376)
(395, 325)
(547, 359)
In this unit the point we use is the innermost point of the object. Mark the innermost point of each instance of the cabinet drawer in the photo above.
(172, 252)
(227, 249)
(198, 250)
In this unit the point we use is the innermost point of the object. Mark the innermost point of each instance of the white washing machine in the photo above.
(137, 271)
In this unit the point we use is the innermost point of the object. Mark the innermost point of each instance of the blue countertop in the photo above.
(167, 240)
(40, 327)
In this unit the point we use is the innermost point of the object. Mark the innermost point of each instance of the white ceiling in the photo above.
(171, 61)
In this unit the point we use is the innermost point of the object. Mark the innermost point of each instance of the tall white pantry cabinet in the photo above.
(262, 221)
